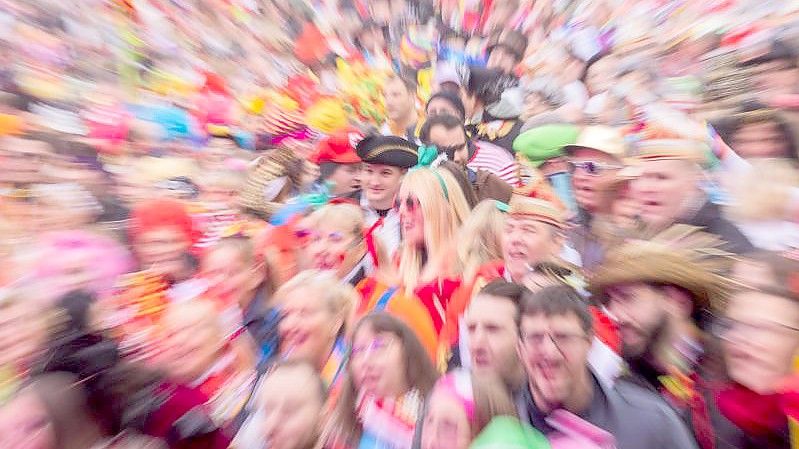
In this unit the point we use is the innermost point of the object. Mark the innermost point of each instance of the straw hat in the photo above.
(537, 209)
(270, 177)
(605, 139)
(682, 256)
(672, 149)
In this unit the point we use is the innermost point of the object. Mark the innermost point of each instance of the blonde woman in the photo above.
(480, 237)
(339, 242)
(317, 310)
(431, 208)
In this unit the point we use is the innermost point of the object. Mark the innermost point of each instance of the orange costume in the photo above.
(376, 296)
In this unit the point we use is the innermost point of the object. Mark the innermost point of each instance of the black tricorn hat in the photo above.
(387, 150)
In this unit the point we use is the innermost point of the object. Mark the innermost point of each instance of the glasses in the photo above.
(375, 348)
(725, 328)
(411, 203)
(591, 167)
(561, 340)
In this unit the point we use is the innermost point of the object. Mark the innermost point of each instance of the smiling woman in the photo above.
(340, 243)
(388, 376)
(316, 310)
(429, 217)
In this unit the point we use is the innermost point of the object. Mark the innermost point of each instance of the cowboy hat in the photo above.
(682, 256)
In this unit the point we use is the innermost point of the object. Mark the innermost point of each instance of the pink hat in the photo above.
(458, 384)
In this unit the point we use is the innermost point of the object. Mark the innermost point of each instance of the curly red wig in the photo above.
(160, 213)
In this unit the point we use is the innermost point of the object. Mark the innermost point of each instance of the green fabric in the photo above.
(543, 143)
(427, 154)
(506, 432)
(503, 207)
(320, 198)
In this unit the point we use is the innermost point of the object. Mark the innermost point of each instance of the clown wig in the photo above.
(102, 260)
(162, 213)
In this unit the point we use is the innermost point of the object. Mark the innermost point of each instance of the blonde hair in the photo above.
(763, 193)
(491, 399)
(349, 216)
(339, 297)
(442, 208)
(480, 237)
(351, 219)
(455, 196)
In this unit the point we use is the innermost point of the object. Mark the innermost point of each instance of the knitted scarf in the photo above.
(388, 423)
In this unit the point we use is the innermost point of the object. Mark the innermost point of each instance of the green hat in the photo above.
(543, 143)
(507, 432)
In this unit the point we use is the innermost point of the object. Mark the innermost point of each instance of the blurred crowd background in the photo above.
(399, 224)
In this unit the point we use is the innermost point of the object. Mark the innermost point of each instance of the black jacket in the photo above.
(709, 217)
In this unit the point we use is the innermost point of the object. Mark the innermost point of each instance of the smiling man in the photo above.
(555, 332)
(386, 159)
(533, 233)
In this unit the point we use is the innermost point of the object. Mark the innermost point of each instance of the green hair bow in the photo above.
(427, 155)
(502, 207)
(319, 198)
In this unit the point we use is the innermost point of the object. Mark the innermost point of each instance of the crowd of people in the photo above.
(399, 224)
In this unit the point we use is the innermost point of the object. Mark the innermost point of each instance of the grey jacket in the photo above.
(637, 418)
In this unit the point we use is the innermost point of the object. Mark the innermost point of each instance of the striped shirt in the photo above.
(495, 159)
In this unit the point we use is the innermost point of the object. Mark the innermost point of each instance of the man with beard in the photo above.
(659, 291)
